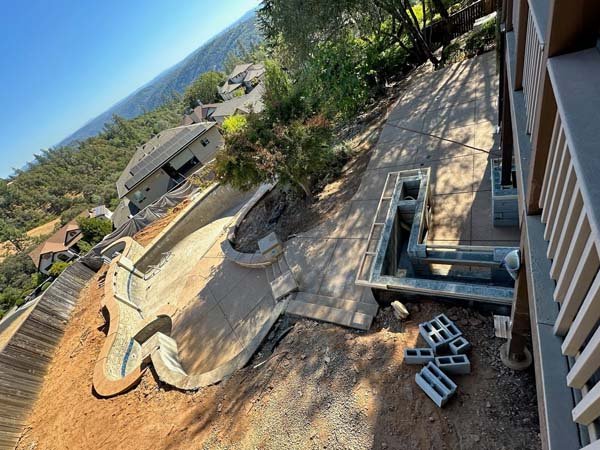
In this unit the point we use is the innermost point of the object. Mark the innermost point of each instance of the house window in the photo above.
(205, 142)
(138, 197)
(63, 257)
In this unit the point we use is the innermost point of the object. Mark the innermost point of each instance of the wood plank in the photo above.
(578, 286)
(588, 409)
(584, 321)
(551, 153)
(566, 200)
(587, 363)
(566, 236)
(560, 189)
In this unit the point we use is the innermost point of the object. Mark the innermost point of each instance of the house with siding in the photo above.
(165, 161)
(62, 245)
(218, 112)
(242, 80)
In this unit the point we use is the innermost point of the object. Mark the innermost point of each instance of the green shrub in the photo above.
(57, 268)
(94, 229)
(296, 154)
(233, 124)
(481, 40)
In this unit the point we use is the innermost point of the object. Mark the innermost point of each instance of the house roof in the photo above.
(56, 243)
(243, 103)
(229, 87)
(239, 69)
(156, 152)
(101, 210)
(254, 72)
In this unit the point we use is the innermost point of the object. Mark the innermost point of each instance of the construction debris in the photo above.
(445, 340)
(400, 311)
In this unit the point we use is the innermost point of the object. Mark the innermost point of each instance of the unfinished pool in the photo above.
(400, 257)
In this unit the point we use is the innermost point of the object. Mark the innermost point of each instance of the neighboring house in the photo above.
(217, 112)
(58, 247)
(550, 140)
(62, 245)
(163, 162)
(101, 212)
(242, 80)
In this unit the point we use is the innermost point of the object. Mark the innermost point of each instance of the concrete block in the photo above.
(453, 330)
(456, 364)
(418, 355)
(435, 384)
(459, 346)
(270, 245)
(439, 332)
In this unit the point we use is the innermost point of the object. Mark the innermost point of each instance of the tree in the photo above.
(94, 229)
(16, 237)
(234, 124)
(204, 89)
(297, 154)
(300, 25)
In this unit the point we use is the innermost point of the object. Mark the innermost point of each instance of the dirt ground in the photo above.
(146, 235)
(322, 387)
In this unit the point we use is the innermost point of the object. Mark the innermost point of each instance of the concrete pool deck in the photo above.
(217, 311)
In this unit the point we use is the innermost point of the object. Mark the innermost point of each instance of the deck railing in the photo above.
(569, 209)
(573, 248)
(552, 59)
(532, 68)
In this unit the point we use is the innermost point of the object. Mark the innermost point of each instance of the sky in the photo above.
(66, 61)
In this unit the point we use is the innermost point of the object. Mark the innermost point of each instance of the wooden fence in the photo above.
(26, 356)
(460, 22)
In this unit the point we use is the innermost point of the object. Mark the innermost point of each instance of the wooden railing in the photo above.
(532, 68)
(460, 22)
(571, 230)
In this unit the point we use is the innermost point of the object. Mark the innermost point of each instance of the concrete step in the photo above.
(276, 270)
(327, 314)
(269, 273)
(283, 265)
(339, 303)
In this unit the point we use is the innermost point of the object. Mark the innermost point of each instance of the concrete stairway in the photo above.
(281, 278)
(348, 313)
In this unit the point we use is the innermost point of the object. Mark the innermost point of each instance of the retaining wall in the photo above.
(211, 203)
(25, 358)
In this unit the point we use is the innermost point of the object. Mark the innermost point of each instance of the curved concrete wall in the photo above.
(209, 205)
(129, 347)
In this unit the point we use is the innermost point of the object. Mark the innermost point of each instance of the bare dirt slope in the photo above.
(323, 387)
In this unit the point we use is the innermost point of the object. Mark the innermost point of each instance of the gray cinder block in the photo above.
(435, 384)
(456, 364)
(459, 346)
(439, 332)
(449, 325)
(418, 355)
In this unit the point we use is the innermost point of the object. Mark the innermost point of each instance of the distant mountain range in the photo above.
(209, 56)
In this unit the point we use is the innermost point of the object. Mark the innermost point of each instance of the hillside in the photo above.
(209, 56)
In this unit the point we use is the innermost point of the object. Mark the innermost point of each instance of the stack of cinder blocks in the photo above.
(446, 355)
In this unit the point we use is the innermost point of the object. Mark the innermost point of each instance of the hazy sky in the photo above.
(64, 62)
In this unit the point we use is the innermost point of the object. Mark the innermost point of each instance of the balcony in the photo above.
(554, 121)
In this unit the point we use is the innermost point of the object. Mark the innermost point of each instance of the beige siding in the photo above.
(153, 187)
(205, 154)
